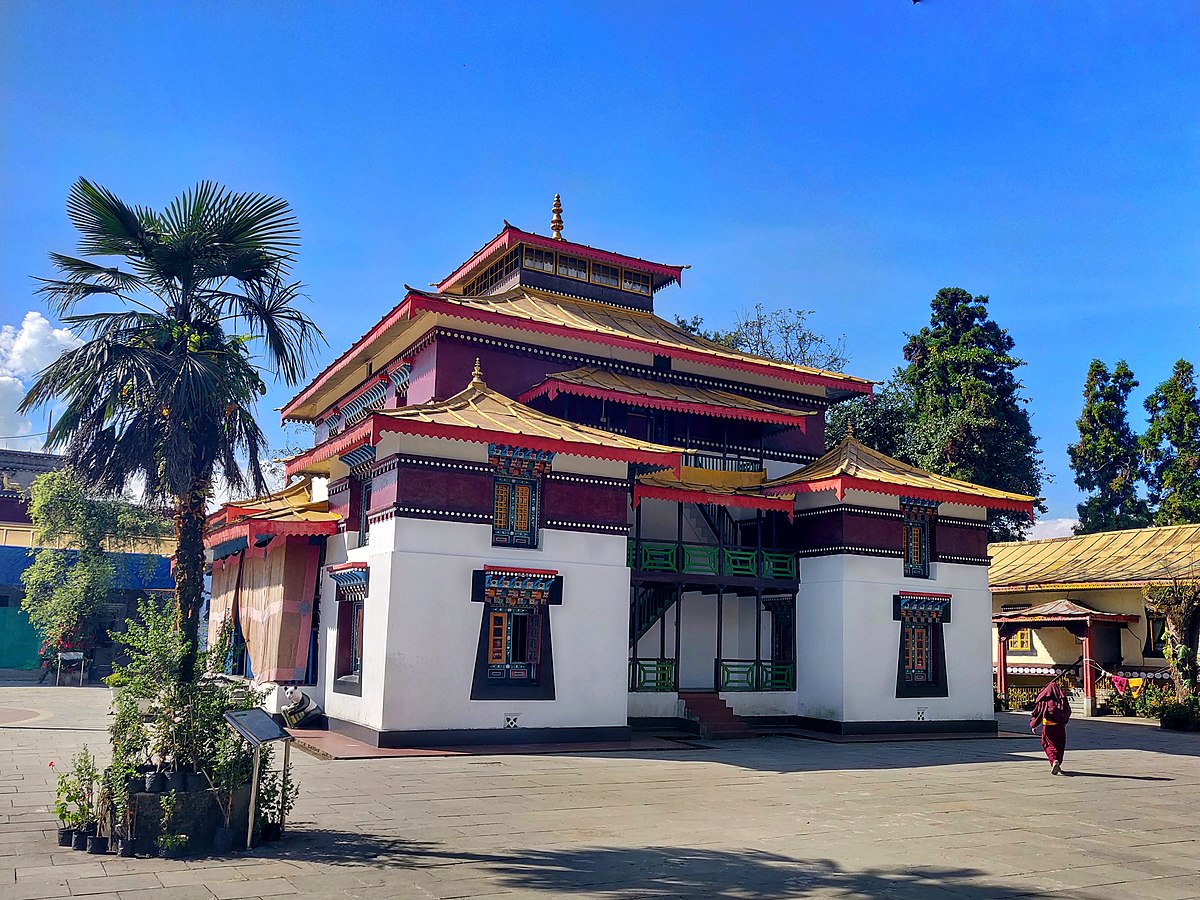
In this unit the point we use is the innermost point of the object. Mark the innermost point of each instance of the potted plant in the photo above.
(171, 845)
(65, 796)
(83, 775)
(231, 769)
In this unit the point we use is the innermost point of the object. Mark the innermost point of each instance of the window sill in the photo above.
(348, 684)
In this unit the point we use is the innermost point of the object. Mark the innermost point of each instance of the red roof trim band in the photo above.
(376, 426)
(551, 387)
(397, 313)
(347, 567)
(843, 483)
(360, 435)
(387, 425)
(253, 529)
(682, 495)
(646, 345)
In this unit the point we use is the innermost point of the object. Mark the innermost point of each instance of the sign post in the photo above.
(258, 728)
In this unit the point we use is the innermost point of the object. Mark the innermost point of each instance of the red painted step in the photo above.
(716, 719)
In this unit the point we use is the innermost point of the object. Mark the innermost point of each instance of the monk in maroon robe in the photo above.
(1051, 710)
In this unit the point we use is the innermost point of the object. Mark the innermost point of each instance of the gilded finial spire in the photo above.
(556, 222)
(849, 428)
(477, 375)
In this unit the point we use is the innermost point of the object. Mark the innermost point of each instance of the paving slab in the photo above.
(759, 819)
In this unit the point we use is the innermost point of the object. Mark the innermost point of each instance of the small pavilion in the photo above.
(1076, 618)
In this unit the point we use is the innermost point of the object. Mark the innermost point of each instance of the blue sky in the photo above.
(848, 158)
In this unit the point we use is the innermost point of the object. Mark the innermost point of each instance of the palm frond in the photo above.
(108, 227)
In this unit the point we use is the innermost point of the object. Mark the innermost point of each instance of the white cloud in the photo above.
(25, 350)
(1052, 528)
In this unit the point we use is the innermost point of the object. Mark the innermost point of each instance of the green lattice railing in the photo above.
(739, 675)
(652, 675)
(699, 560)
(778, 565)
(773, 676)
(735, 675)
(705, 559)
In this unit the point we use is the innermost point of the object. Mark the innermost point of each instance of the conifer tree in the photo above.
(1171, 447)
(1106, 459)
(970, 418)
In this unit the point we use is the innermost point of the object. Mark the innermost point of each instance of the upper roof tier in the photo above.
(1110, 559)
(481, 415)
(515, 256)
(852, 465)
(547, 314)
(591, 381)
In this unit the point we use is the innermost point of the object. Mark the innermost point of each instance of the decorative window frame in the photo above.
(919, 520)
(923, 614)
(352, 581)
(504, 593)
(517, 475)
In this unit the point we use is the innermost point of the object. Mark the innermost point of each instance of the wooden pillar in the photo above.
(1001, 663)
(720, 629)
(758, 640)
(678, 617)
(1089, 671)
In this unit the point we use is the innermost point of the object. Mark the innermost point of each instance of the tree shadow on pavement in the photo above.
(648, 872)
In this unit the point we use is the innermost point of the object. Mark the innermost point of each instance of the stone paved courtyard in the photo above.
(764, 818)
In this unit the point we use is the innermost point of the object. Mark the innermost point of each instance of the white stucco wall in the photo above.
(433, 629)
(869, 641)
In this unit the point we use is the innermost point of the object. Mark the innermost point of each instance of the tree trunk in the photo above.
(189, 571)
(1181, 626)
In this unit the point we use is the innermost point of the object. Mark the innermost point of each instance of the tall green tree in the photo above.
(165, 388)
(782, 334)
(1107, 459)
(883, 421)
(1171, 446)
(71, 578)
(971, 421)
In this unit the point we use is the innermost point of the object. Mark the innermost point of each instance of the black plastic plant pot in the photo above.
(171, 852)
(223, 840)
(154, 781)
(272, 831)
(65, 836)
(196, 783)
(124, 847)
(177, 781)
(97, 845)
(79, 840)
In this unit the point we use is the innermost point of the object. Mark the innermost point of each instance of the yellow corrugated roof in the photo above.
(292, 504)
(621, 323)
(594, 381)
(853, 461)
(710, 481)
(1108, 559)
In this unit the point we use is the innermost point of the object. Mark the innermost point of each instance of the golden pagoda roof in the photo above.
(592, 381)
(1110, 559)
(695, 485)
(481, 415)
(1062, 610)
(604, 323)
(289, 511)
(854, 465)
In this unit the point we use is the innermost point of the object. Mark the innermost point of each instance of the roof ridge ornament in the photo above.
(477, 375)
(849, 429)
(556, 220)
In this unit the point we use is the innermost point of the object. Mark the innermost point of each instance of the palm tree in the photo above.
(165, 388)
